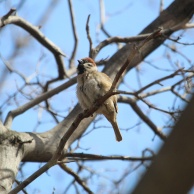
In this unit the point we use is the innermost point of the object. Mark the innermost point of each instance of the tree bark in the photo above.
(11, 154)
(39, 147)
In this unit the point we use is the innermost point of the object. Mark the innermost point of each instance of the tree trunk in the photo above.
(11, 153)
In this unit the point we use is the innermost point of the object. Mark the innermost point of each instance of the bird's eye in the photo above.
(90, 65)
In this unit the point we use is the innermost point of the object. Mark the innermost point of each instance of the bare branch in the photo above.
(77, 178)
(18, 182)
(102, 18)
(116, 39)
(176, 93)
(12, 114)
(89, 37)
(48, 11)
(161, 5)
(83, 156)
(132, 54)
(139, 112)
(177, 41)
(151, 93)
(189, 25)
(159, 80)
(173, 48)
(171, 113)
(71, 64)
(32, 177)
(10, 12)
(38, 35)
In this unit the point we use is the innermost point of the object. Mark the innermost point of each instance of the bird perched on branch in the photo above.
(91, 85)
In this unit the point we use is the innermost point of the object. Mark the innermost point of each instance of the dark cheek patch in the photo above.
(80, 69)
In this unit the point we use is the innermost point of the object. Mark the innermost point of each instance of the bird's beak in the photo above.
(80, 61)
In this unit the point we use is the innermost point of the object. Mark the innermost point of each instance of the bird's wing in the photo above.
(104, 81)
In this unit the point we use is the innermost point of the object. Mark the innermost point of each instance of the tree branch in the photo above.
(142, 116)
(12, 114)
(76, 177)
(38, 35)
(71, 63)
(88, 157)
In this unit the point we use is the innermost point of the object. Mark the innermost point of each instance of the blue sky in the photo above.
(123, 18)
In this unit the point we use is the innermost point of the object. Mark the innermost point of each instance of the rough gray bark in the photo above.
(39, 147)
(11, 152)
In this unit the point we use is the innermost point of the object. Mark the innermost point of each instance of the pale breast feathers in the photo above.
(92, 86)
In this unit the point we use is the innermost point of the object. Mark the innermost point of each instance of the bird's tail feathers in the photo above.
(117, 132)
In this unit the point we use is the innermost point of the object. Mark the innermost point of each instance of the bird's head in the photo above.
(86, 65)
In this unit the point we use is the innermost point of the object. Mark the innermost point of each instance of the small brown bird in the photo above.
(91, 85)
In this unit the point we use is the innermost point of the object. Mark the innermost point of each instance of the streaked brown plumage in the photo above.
(93, 84)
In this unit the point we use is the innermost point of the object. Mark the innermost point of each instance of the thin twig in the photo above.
(159, 80)
(141, 37)
(38, 35)
(172, 48)
(71, 63)
(159, 109)
(89, 37)
(33, 30)
(133, 53)
(12, 114)
(32, 177)
(84, 156)
(139, 112)
(18, 182)
(161, 6)
(102, 18)
(76, 178)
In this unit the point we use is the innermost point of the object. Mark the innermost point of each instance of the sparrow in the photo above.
(91, 85)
